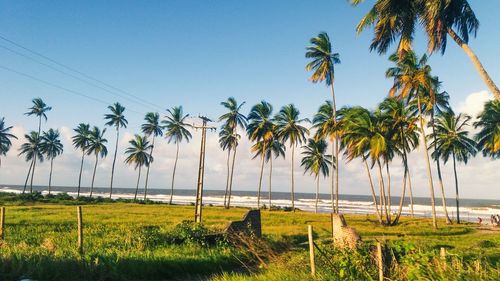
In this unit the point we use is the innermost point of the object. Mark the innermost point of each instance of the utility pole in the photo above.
(201, 167)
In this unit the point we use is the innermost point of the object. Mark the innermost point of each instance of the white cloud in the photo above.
(474, 103)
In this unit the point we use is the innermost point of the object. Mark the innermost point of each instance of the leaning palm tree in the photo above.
(412, 78)
(260, 128)
(316, 161)
(323, 60)
(51, 146)
(31, 150)
(139, 156)
(176, 130)
(115, 119)
(39, 110)
(232, 119)
(488, 137)
(96, 145)
(291, 130)
(5, 139)
(151, 128)
(81, 141)
(396, 21)
(451, 139)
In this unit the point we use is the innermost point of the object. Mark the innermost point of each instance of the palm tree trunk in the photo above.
(28, 176)
(332, 194)
(270, 179)
(443, 199)
(32, 174)
(382, 191)
(50, 174)
(260, 178)
(147, 171)
(231, 180)
(335, 162)
(401, 200)
(114, 161)
(93, 175)
(428, 162)
(39, 125)
(456, 188)
(317, 193)
(477, 64)
(228, 175)
(388, 191)
(374, 196)
(293, 178)
(411, 194)
(80, 176)
(137, 185)
(173, 174)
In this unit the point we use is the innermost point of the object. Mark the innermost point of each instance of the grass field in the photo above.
(127, 241)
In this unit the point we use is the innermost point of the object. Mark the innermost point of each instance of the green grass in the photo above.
(127, 241)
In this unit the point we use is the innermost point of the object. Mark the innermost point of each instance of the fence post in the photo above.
(442, 253)
(380, 262)
(331, 221)
(311, 250)
(80, 229)
(2, 222)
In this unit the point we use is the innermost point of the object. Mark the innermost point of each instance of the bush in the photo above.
(188, 232)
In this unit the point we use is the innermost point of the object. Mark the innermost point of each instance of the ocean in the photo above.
(470, 209)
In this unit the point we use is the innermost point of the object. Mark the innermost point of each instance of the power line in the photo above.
(69, 74)
(79, 72)
(59, 87)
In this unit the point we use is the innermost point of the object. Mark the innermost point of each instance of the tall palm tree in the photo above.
(260, 128)
(412, 77)
(138, 155)
(31, 150)
(232, 119)
(115, 119)
(81, 141)
(151, 128)
(39, 109)
(96, 145)
(451, 139)
(51, 146)
(396, 20)
(291, 130)
(488, 137)
(323, 60)
(316, 161)
(5, 139)
(176, 130)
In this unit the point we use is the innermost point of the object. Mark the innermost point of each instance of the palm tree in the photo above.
(412, 77)
(260, 128)
(322, 64)
(115, 119)
(176, 130)
(396, 20)
(402, 123)
(488, 138)
(270, 148)
(5, 139)
(151, 128)
(81, 141)
(232, 119)
(291, 130)
(96, 145)
(31, 150)
(38, 109)
(138, 155)
(228, 141)
(51, 147)
(316, 161)
(451, 139)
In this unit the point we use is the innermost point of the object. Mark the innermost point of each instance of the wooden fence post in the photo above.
(442, 253)
(331, 221)
(2, 222)
(80, 229)
(311, 250)
(380, 262)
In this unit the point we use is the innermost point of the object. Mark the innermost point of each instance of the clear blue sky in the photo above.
(198, 53)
